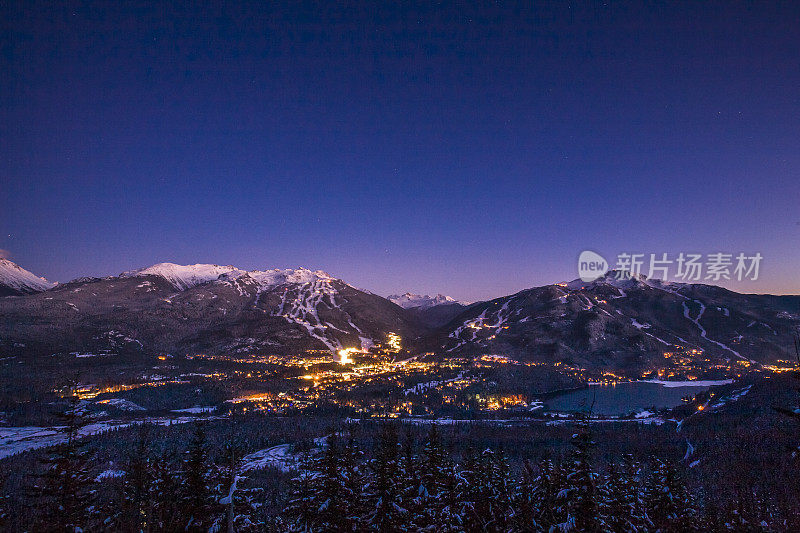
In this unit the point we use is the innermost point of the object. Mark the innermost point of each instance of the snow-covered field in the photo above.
(14, 440)
(279, 457)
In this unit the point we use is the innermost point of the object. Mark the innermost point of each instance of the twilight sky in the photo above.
(474, 152)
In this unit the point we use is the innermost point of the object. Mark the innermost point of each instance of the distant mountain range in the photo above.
(410, 301)
(617, 321)
(433, 311)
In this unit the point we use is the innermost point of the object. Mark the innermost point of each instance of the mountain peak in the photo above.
(182, 277)
(409, 300)
(16, 280)
(615, 278)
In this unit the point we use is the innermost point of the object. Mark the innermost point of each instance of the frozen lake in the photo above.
(626, 398)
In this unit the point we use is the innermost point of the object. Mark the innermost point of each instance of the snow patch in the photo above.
(122, 405)
(110, 474)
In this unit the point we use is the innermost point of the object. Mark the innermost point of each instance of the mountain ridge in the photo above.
(410, 300)
(614, 321)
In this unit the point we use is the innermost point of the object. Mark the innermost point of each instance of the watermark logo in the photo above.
(712, 267)
(591, 266)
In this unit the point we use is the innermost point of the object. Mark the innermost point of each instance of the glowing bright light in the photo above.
(394, 341)
(344, 355)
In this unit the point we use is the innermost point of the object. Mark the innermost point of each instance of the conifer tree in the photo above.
(332, 502)
(669, 505)
(500, 490)
(434, 463)
(616, 502)
(447, 517)
(438, 486)
(165, 510)
(548, 486)
(136, 484)
(468, 490)
(301, 510)
(196, 493)
(239, 503)
(580, 497)
(633, 490)
(383, 495)
(526, 502)
(353, 478)
(4, 502)
(793, 411)
(411, 490)
(227, 487)
(64, 490)
(505, 484)
(477, 492)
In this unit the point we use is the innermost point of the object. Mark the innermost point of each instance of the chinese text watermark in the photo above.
(683, 266)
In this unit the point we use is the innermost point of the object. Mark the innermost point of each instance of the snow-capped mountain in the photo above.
(409, 300)
(433, 311)
(15, 280)
(607, 323)
(182, 277)
(622, 321)
(205, 308)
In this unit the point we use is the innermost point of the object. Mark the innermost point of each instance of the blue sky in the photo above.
(469, 151)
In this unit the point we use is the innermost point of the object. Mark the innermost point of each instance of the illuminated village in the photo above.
(386, 381)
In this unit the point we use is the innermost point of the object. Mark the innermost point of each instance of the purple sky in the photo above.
(474, 152)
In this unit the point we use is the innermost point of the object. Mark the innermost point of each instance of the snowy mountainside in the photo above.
(15, 280)
(609, 323)
(624, 322)
(182, 277)
(205, 309)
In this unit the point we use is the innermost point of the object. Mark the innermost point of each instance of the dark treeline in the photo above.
(408, 487)
(403, 482)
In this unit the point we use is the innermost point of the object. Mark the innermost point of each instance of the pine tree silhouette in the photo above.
(301, 510)
(412, 492)
(196, 493)
(353, 478)
(670, 507)
(383, 494)
(438, 486)
(137, 484)
(63, 491)
(580, 496)
(165, 509)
